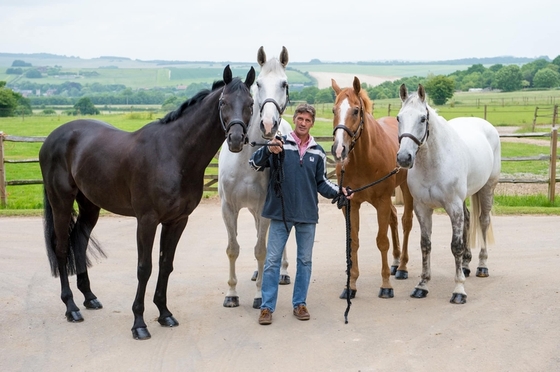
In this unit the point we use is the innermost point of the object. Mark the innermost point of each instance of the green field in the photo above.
(30, 196)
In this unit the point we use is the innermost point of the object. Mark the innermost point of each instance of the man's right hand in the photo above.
(278, 146)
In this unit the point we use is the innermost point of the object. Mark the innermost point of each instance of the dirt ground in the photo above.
(511, 321)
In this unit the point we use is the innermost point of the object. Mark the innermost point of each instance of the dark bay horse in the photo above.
(154, 174)
(366, 149)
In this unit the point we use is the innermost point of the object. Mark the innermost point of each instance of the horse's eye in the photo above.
(423, 119)
(356, 111)
(284, 84)
(258, 85)
(398, 120)
(333, 111)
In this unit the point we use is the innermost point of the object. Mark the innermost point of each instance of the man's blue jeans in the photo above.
(277, 238)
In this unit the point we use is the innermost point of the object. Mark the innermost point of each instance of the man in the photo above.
(296, 176)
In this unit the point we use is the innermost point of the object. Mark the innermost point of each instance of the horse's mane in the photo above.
(176, 114)
(414, 95)
(368, 104)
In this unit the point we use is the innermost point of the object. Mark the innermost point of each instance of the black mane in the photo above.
(176, 114)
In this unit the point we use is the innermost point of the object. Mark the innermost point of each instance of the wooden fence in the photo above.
(211, 177)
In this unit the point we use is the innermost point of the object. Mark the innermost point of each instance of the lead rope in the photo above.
(278, 177)
(343, 202)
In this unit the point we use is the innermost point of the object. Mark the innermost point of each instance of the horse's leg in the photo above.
(394, 225)
(385, 215)
(407, 218)
(355, 237)
(424, 215)
(230, 216)
(262, 225)
(87, 219)
(456, 214)
(145, 233)
(170, 235)
(62, 197)
(486, 200)
(467, 255)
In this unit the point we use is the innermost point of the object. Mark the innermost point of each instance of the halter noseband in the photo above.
(353, 135)
(272, 100)
(233, 122)
(426, 133)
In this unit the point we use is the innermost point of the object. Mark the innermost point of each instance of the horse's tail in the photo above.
(475, 230)
(77, 260)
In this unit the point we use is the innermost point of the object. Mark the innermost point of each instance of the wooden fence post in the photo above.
(3, 199)
(485, 111)
(553, 152)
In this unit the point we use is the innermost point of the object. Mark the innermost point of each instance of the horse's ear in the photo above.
(261, 56)
(421, 92)
(284, 57)
(335, 87)
(357, 85)
(228, 76)
(250, 79)
(403, 92)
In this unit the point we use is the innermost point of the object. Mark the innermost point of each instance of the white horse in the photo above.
(449, 162)
(239, 186)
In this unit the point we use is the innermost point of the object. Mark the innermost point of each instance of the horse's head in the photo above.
(413, 121)
(350, 107)
(236, 108)
(271, 94)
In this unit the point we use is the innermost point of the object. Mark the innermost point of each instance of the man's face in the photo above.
(303, 123)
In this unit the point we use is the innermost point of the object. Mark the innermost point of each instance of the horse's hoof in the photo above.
(394, 270)
(141, 334)
(257, 302)
(458, 298)
(231, 301)
(386, 293)
(255, 276)
(482, 272)
(419, 293)
(466, 272)
(284, 279)
(344, 294)
(401, 275)
(168, 321)
(93, 304)
(74, 316)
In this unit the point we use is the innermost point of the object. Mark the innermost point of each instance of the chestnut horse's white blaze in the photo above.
(448, 162)
(239, 186)
(339, 134)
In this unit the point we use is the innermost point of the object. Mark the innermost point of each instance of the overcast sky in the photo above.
(233, 30)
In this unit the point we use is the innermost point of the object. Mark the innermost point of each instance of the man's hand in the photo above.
(277, 146)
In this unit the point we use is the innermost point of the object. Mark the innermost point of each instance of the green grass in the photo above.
(29, 197)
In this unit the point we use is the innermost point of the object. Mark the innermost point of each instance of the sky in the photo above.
(328, 30)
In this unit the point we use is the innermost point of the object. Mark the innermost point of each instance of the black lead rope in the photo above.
(277, 174)
(341, 201)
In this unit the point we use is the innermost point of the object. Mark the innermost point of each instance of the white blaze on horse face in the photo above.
(343, 111)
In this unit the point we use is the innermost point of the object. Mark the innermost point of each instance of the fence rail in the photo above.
(211, 179)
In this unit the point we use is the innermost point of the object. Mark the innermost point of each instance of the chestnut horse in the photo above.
(155, 174)
(366, 149)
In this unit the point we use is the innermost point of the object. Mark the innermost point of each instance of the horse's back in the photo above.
(482, 148)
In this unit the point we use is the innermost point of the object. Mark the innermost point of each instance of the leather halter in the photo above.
(354, 135)
(419, 142)
(233, 122)
(273, 101)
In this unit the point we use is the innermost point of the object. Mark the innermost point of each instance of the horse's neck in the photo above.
(441, 136)
(370, 144)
